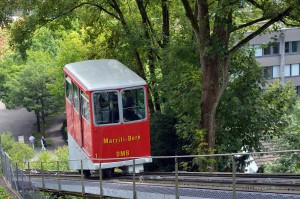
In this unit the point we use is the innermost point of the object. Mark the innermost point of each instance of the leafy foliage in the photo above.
(289, 139)
(247, 114)
(46, 160)
(164, 141)
(7, 141)
(29, 87)
(165, 52)
(3, 193)
(18, 152)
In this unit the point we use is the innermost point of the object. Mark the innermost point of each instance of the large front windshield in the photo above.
(106, 109)
(133, 104)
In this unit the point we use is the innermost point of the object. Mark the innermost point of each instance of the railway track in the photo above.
(273, 183)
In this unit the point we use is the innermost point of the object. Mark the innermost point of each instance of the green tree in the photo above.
(18, 152)
(220, 27)
(62, 154)
(165, 142)
(245, 116)
(51, 160)
(139, 33)
(71, 49)
(29, 87)
(7, 141)
(289, 139)
(134, 30)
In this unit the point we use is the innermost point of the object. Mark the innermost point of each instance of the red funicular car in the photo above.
(107, 116)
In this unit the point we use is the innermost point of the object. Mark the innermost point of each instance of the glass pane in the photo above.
(258, 51)
(267, 72)
(85, 107)
(295, 70)
(133, 104)
(106, 108)
(276, 48)
(267, 50)
(68, 90)
(287, 70)
(275, 71)
(287, 47)
(76, 98)
(294, 46)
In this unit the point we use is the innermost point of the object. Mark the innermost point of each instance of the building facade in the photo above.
(279, 54)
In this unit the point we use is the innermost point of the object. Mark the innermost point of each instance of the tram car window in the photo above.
(85, 107)
(68, 89)
(133, 104)
(75, 98)
(106, 108)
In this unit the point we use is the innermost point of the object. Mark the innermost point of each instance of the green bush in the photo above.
(3, 193)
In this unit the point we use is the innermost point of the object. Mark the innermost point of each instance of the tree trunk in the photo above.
(38, 123)
(209, 98)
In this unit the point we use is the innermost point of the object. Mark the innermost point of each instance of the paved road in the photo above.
(20, 122)
(17, 121)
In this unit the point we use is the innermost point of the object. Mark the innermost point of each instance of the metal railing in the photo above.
(17, 180)
(24, 185)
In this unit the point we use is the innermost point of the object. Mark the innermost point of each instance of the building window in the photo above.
(292, 47)
(271, 49)
(287, 70)
(267, 71)
(287, 47)
(275, 48)
(295, 46)
(295, 69)
(275, 71)
(258, 50)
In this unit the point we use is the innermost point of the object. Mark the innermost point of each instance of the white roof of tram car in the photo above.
(103, 74)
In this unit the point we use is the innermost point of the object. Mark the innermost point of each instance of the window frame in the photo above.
(289, 45)
(278, 67)
(85, 98)
(292, 70)
(96, 123)
(68, 92)
(144, 109)
(76, 97)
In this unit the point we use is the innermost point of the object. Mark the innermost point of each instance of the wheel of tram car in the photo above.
(107, 173)
(86, 173)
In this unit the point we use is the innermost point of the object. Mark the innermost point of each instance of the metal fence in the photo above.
(26, 188)
(18, 181)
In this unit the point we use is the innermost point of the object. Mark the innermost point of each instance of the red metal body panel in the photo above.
(122, 141)
(87, 137)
